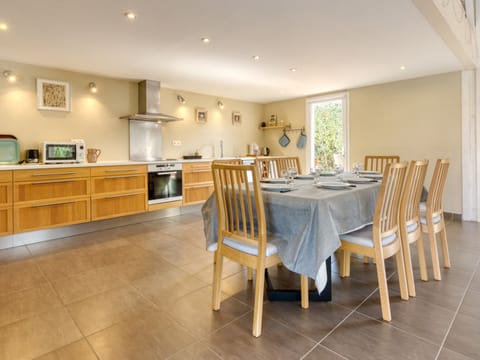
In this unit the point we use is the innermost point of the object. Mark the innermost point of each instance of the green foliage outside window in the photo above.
(328, 133)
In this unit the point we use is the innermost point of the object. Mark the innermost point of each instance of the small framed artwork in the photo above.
(201, 115)
(53, 95)
(236, 118)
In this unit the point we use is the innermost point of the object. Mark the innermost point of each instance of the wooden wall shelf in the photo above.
(287, 127)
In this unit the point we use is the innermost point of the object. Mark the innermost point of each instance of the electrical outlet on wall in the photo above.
(176, 142)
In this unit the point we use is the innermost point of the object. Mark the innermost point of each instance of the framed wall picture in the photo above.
(236, 118)
(53, 95)
(201, 115)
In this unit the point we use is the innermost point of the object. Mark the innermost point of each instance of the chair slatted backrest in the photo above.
(286, 162)
(267, 167)
(435, 191)
(378, 162)
(272, 166)
(385, 220)
(241, 214)
(412, 193)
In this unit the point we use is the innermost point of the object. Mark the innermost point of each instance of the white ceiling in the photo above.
(334, 44)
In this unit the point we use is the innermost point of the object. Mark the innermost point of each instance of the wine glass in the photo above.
(292, 174)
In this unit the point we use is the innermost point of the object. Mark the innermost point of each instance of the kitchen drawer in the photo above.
(5, 193)
(6, 220)
(119, 170)
(6, 176)
(51, 189)
(194, 173)
(118, 183)
(196, 193)
(119, 205)
(50, 214)
(49, 174)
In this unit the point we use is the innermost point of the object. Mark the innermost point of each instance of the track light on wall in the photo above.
(220, 104)
(181, 99)
(10, 76)
(93, 87)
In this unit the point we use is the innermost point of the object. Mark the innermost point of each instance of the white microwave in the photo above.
(55, 152)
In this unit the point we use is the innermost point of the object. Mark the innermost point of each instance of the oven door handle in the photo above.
(167, 173)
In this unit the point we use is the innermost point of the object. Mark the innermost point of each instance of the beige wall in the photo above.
(419, 118)
(95, 117)
(416, 119)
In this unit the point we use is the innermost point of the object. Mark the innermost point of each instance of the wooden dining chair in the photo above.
(409, 221)
(378, 162)
(242, 233)
(381, 240)
(272, 166)
(432, 218)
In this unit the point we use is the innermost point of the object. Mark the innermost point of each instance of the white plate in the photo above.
(373, 176)
(332, 185)
(328, 173)
(304, 177)
(276, 187)
(358, 180)
(369, 172)
(273, 181)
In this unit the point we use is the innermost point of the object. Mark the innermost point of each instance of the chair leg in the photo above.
(249, 274)
(304, 291)
(258, 303)
(402, 279)
(446, 255)
(217, 281)
(434, 250)
(408, 267)
(344, 263)
(421, 259)
(383, 289)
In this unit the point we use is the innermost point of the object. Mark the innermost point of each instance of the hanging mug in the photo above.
(93, 154)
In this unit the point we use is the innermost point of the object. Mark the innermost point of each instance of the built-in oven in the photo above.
(164, 182)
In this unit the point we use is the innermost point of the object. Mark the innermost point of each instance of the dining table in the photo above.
(305, 220)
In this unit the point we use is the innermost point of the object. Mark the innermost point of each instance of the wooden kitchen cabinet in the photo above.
(6, 204)
(46, 198)
(118, 191)
(197, 182)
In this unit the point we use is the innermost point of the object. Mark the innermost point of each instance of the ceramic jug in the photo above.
(93, 154)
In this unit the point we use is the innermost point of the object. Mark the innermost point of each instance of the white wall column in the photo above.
(470, 149)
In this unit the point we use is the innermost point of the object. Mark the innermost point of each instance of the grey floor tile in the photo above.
(464, 336)
(194, 311)
(360, 337)
(79, 350)
(32, 337)
(149, 334)
(235, 341)
(415, 316)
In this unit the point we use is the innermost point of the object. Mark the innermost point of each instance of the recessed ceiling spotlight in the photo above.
(3, 27)
(293, 69)
(256, 57)
(205, 40)
(130, 15)
(402, 67)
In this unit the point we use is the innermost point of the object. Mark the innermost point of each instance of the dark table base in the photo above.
(294, 295)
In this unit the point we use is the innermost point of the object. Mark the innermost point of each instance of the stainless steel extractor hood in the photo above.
(149, 104)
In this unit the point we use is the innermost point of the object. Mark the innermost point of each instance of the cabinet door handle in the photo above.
(122, 176)
(52, 204)
(55, 174)
(166, 173)
(121, 195)
(199, 186)
(52, 182)
(119, 170)
(200, 170)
